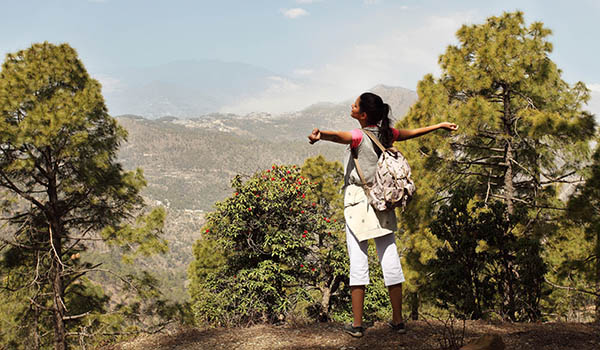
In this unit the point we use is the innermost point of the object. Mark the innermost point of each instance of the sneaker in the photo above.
(399, 328)
(356, 332)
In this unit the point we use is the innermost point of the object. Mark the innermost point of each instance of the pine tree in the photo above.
(524, 131)
(584, 208)
(62, 187)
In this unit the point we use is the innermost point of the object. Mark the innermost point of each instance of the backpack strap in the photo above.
(374, 139)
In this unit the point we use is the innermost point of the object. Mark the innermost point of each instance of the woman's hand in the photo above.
(448, 126)
(314, 136)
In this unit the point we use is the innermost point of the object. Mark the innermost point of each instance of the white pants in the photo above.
(359, 262)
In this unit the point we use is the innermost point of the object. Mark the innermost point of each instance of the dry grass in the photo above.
(421, 335)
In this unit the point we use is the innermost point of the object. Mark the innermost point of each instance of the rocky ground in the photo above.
(421, 335)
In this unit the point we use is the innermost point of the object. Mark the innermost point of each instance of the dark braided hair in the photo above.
(377, 114)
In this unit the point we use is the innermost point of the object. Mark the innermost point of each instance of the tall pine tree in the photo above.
(62, 187)
(524, 132)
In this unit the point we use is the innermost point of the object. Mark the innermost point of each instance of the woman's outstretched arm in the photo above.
(344, 137)
(405, 134)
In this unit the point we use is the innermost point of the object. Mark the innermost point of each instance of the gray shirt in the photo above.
(367, 158)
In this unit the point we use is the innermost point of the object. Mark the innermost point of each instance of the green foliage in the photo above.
(62, 188)
(481, 251)
(328, 178)
(584, 209)
(522, 131)
(264, 249)
(569, 255)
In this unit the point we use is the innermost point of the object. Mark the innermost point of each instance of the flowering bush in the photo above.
(266, 249)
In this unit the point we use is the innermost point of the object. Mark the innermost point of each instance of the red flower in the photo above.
(305, 231)
(249, 209)
(303, 195)
(272, 179)
(283, 179)
(303, 236)
(207, 230)
(236, 193)
(314, 204)
(313, 269)
(302, 212)
(289, 172)
(273, 166)
(268, 170)
(301, 265)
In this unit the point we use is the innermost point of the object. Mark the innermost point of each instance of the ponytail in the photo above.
(377, 114)
(387, 136)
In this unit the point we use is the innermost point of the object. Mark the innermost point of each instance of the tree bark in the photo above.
(58, 310)
(509, 188)
(56, 273)
(414, 306)
(326, 299)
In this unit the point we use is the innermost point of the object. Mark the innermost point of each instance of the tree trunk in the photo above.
(36, 328)
(509, 189)
(414, 306)
(58, 309)
(324, 313)
(326, 299)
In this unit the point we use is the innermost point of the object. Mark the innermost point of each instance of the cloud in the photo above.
(295, 13)
(109, 84)
(400, 56)
(370, 2)
(594, 87)
(307, 1)
(594, 102)
(303, 71)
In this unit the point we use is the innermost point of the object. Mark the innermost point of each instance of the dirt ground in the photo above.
(420, 335)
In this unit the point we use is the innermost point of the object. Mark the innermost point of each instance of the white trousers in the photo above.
(359, 262)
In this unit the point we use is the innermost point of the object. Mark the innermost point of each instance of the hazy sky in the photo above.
(317, 49)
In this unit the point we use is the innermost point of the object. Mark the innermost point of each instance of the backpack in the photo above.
(393, 186)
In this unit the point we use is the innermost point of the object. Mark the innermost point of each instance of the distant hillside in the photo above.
(189, 162)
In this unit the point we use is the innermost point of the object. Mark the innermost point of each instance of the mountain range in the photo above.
(188, 162)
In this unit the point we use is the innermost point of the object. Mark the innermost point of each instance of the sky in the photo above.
(318, 50)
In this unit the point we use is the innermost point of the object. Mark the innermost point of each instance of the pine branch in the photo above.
(10, 185)
(597, 294)
(493, 149)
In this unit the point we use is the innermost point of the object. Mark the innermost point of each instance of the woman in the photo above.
(372, 114)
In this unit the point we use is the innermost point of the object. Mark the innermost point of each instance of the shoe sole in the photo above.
(355, 335)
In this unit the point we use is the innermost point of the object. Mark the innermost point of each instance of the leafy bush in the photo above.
(266, 249)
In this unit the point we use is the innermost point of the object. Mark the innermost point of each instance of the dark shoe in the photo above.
(356, 332)
(399, 328)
